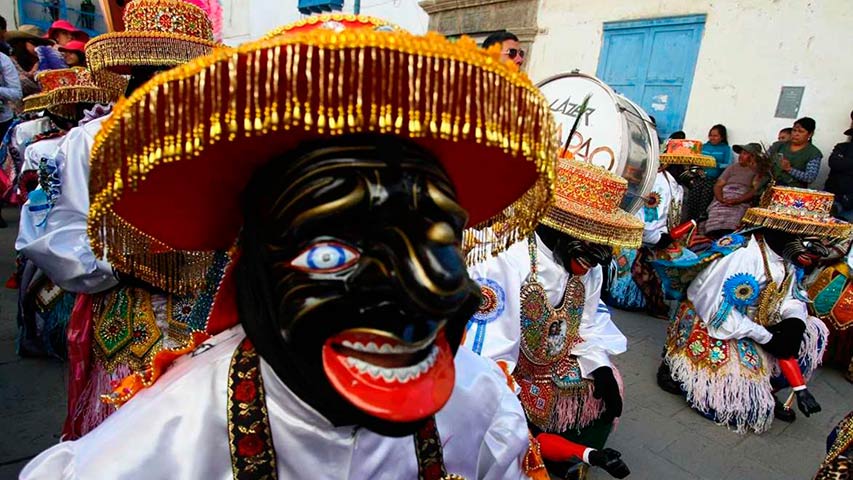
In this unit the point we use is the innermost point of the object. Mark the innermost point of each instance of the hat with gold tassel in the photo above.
(65, 87)
(170, 164)
(158, 33)
(799, 211)
(587, 206)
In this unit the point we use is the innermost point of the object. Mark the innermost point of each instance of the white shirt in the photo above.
(706, 292)
(500, 337)
(62, 248)
(177, 429)
(668, 190)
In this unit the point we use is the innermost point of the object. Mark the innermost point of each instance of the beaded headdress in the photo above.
(170, 164)
(68, 86)
(799, 211)
(587, 206)
(332, 21)
(686, 152)
(158, 33)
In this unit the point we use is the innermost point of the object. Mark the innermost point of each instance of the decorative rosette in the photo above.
(740, 291)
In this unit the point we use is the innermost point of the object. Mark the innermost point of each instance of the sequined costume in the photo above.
(744, 318)
(584, 338)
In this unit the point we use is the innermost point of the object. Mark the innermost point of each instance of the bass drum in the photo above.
(613, 133)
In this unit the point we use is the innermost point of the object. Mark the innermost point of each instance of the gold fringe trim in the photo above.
(142, 256)
(622, 231)
(37, 102)
(697, 160)
(157, 49)
(762, 217)
(434, 89)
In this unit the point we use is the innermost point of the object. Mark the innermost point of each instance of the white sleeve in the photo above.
(792, 307)
(601, 337)
(63, 250)
(706, 293)
(654, 228)
(506, 442)
(54, 463)
(495, 329)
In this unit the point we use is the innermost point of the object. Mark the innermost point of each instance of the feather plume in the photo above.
(49, 58)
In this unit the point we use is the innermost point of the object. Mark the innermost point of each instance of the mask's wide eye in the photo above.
(326, 257)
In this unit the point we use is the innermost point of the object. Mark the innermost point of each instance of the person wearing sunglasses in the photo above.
(510, 48)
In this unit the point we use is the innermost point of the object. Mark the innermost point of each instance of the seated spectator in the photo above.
(796, 162)
(733, 191)
(784, 135)
(702, 192)
(840, 179)
(74, 53)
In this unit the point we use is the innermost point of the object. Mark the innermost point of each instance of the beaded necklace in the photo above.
(772, 295)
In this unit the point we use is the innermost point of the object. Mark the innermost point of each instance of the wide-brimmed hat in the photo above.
(68, 86)
(29, 33)
(76, 33)
(799, 211)
(849, 132)
(754, 148)
(169, 166)
(686, 152)
(586, 206)
(158, 33)
(333, 21)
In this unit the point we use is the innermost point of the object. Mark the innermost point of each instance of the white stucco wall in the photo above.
(249, 19)
(7, 11)
(750, 49)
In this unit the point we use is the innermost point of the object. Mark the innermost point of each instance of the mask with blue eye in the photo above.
(351, 282)
(326, 257)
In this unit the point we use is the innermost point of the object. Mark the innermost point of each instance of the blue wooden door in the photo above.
(652, 63)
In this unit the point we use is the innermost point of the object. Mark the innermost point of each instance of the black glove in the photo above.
(665, 241)
(787, 336)
(609, 460)
(605, 387)
(806, 402)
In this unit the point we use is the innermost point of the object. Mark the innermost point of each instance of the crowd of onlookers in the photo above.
(27, 51)
(718, 199)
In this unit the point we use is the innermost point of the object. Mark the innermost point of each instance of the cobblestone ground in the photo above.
(660, 437)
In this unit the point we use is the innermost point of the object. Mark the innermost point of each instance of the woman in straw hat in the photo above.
(541, 318)
(636, 286)
(744, 316)
(358, 163)
(159, 35)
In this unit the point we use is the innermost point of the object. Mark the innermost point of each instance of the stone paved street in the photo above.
(659, 436)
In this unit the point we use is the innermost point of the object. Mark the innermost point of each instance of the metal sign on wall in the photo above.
(790, 99)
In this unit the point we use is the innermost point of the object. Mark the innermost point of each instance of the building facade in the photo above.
(691, 64)
(244, 20)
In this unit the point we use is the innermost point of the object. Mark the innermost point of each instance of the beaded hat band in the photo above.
(799, 211)
(159, 33)
(686, 152)
(218, 118)
(587, 206)
(68, 86)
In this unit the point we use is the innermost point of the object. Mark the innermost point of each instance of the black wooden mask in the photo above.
(351, 283)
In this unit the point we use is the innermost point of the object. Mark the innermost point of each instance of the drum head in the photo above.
(613, 133)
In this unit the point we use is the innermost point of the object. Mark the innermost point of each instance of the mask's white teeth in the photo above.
(400, 375)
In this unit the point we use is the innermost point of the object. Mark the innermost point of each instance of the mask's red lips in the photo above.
(387, 377)
(579, 266)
